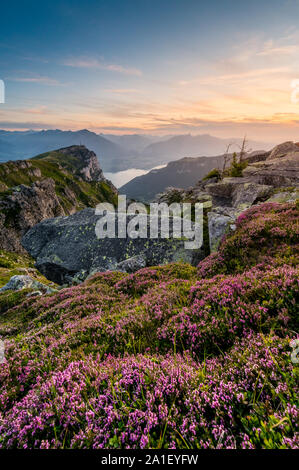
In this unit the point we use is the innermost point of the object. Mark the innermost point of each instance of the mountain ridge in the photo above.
(117, 153)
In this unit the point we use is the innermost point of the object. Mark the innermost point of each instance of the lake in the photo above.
(122, 177)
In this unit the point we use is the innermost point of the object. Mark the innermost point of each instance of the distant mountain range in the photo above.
(23, 145)
(117, 152)
(182, 173)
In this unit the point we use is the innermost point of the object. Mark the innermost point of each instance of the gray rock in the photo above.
(193, 195)
(132, 264)
(220, 221)
(222, 192)
(257, 156)
(67, 247)
(25, 207)
(22, 281)
(238, 192)
(285, 196)
(282, 150)
(276, 172)
(247, 194)
(34, 293)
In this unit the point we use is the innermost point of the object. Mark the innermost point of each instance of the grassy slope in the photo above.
(12, 264)
(170, 356)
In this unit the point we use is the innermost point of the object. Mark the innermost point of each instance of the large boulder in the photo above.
(67, 247)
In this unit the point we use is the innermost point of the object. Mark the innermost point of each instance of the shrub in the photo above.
(215, 173)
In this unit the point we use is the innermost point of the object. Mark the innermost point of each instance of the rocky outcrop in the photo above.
(86, 162)
(238, 192)
(270, 176)
(24, 207)
(285, 196)
(282, 150)
(192, 195)
(26, 282)
(67, 250)
(67, 247)
(280, 171)
(50, 185)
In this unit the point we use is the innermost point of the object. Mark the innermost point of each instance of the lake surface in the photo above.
(122, 177)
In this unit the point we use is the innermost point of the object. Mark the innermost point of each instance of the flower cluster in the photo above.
(240, 399)
(266, 234)
(162, 358)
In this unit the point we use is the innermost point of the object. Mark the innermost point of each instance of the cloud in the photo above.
(40, 80)
(255, 73)
(96, 64)
(122, 91)
(38, 110)
(283, 50)
(26, 125)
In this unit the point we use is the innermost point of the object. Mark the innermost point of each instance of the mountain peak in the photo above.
(77, 159)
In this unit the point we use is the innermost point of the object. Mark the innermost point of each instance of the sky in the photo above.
(152, 66)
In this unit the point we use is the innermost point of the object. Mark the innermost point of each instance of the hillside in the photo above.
(181, 173)
(180, 146)
(168, 357)
(56, 183)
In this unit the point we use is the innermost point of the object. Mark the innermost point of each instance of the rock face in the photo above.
(281, 171)
(220, 221)
(86, 162)
(25, 207)
(238, 192)
(282, 150)
(67, 247)
(53, 184)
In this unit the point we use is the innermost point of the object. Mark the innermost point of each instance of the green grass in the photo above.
(12, 264)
